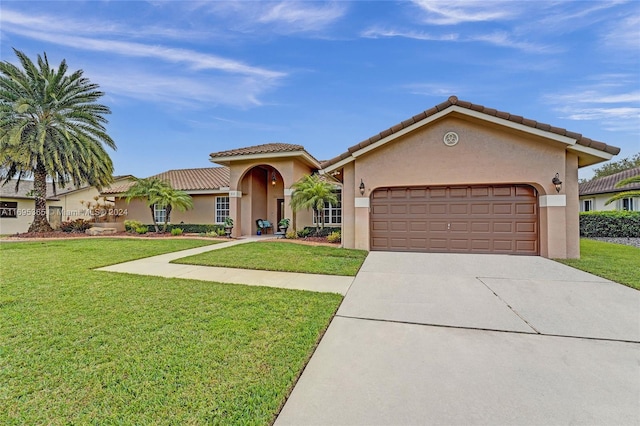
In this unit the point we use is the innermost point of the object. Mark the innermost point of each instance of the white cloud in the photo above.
(606, 102)
(625, 33)
(432, 89)
(416, 35)
(285, 17)
(456, 12)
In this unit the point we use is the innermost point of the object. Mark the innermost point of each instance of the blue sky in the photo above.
(184, 79)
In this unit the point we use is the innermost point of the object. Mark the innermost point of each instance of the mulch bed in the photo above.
(59, 235)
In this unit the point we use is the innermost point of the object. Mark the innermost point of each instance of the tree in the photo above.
(614, 167)
(170, 199)
(51, 126)
(159, 192)
(312, 192)
(626, 194)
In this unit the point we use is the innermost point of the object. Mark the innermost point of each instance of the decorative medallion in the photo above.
(450, 138)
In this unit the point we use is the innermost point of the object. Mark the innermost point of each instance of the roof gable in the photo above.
(607, 184)
(264, 151)
(590, 148)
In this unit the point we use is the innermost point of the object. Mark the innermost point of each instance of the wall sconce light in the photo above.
(361, 187)
(557, 182)
(273, 179)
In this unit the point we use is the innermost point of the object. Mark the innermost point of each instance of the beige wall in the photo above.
(485, 154)
(203, 211)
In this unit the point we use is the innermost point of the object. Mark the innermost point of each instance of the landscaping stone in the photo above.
(101, 231)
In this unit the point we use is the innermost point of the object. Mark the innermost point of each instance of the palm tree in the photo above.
(170, 198)
(159, 193)
(313, 192)
(51, 126)
(626, 194)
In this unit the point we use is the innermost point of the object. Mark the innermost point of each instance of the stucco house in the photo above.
(458, 177)
(595, 193)
(17, 207)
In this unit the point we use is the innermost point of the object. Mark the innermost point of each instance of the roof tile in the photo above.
(208, 178)
(607, 184)
(268, 148)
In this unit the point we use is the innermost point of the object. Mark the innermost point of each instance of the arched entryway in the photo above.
(262, 188)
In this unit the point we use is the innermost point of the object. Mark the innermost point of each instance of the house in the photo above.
(595, 193)
(456, 178)
(18, 207)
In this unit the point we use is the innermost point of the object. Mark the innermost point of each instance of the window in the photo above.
(160, 213)
(8, 209)
(222, 209)
(587, 205)
(627, 204)
(332, 214)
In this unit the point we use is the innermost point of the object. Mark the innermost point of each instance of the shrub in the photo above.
(614, 223)
(189, 228)
(142, 229)
(176, 231)
(334, 237)
(322, 232)
(291, 235)
(78, 225)
(131, 225)
(221, 233)
(303, 233)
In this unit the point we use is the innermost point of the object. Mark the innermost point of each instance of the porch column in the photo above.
(235, 212)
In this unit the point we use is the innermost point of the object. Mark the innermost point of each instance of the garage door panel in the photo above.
(473, 219)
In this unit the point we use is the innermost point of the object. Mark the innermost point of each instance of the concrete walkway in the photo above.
(452, 339)
(160, 266)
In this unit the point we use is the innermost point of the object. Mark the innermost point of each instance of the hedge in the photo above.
(614, 223)
(322, 232)
(189, 228)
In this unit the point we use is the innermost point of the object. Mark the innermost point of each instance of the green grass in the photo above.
(85, 347)
(615, 262)
(283, 256)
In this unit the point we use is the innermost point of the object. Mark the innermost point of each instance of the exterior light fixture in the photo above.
(557, 182)
(273, 179)
(361, 187)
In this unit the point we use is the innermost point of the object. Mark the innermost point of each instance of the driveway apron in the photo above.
(474, 339)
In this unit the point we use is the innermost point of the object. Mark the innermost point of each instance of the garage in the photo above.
(499, 219)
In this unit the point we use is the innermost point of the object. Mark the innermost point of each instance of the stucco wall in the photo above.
(485, 154)
(600, 200)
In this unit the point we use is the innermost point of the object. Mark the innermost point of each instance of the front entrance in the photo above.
(456, 219)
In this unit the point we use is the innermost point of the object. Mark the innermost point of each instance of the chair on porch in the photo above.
(264, 225)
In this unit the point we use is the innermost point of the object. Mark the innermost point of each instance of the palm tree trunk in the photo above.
(153, 217)
(40, 222)
(167, 218)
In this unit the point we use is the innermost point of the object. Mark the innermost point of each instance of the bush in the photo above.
(78, 225)
(131, 225)
(322, 232)
(291, 235)
(142, 229)
(303, 233)
(176, 231)
(188, 228)
(334, 237)
(614, 223)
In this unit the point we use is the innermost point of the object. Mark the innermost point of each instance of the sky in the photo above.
(184, 79)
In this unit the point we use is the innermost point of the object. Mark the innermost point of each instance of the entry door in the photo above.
(280, 213)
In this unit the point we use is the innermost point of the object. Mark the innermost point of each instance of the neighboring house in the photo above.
(595, 193)
(17, 208)
(458, 178)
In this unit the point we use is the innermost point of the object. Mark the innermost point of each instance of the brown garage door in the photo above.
(458, 219)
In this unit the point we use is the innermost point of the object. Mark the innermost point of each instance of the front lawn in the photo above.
(615, 262)
(85, 347)
(283, 256)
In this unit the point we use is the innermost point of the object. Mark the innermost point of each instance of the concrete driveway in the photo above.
(474, 339)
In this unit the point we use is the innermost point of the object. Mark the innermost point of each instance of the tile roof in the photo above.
(453, 100)
(9, 190)
(607, 184)
(208, 178)
(268, 148)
